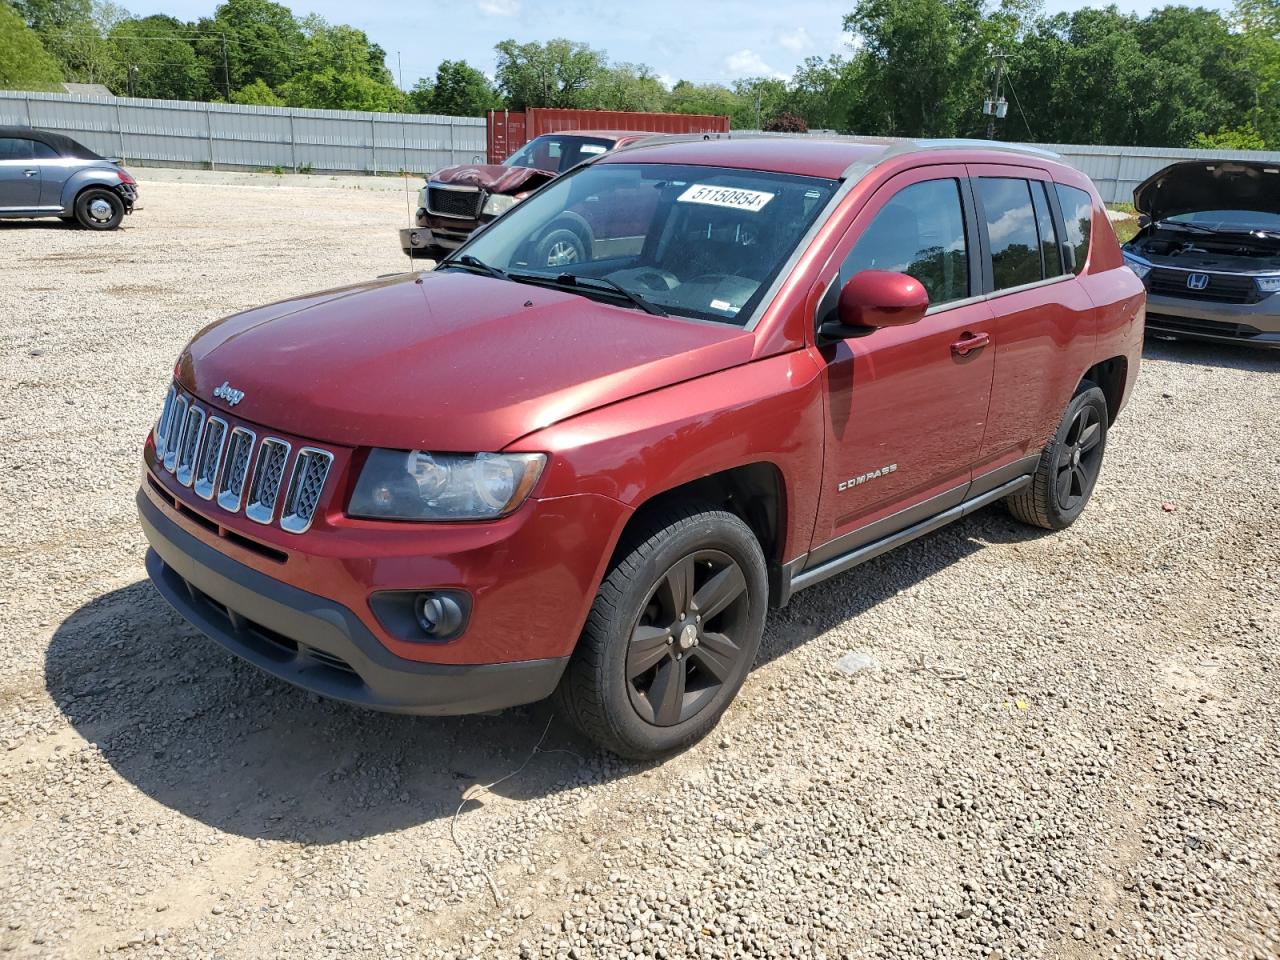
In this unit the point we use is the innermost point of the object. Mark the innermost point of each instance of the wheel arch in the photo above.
(1111, 376)
(754, 492)
(83, 180)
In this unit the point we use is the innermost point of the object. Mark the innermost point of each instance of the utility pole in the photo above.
(226, 72)
(997, 106)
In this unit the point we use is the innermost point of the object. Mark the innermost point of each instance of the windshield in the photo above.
(557, 152)
(701, 242)
(1230, 219)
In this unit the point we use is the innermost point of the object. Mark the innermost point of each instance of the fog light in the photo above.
(439, 615)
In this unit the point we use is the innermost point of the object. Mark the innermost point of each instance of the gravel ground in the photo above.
(1066, 746)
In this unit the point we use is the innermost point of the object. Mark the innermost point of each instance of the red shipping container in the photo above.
(509, 130)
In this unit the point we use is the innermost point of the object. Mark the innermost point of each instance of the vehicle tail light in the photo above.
(126, 177)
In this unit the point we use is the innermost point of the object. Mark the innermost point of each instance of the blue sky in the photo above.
(700, 40)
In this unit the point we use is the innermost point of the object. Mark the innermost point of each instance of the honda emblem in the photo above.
(1197, 281)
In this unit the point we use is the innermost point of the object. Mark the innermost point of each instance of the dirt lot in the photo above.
(1069, 745)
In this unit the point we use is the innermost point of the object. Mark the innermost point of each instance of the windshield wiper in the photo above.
(1189, 227)
(475, 263)
(573, 280)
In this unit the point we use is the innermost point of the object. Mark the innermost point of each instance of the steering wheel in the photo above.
(655, 278)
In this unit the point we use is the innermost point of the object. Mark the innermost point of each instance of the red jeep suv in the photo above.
(467, 489)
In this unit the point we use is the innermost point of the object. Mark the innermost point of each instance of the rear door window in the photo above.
(1077, 217)
(15, 148)
(1050, 252)
(42, 151)
(1011, 231)
(919, 232)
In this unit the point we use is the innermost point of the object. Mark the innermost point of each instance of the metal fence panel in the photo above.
(230, 136)
(223, 135)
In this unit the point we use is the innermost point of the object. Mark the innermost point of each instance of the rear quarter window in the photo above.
(1077, 217)
(1011, 229)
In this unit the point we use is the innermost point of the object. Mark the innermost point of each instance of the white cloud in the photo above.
(796, 41)
(499, 8)
(748, 63)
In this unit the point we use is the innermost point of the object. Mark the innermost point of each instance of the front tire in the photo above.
(1069, 465)
(99, 209)
(671, 636)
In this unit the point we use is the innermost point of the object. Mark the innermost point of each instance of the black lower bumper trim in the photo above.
(317, 644)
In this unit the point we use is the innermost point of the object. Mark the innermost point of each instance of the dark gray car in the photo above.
(1209, 251)
(45, 174)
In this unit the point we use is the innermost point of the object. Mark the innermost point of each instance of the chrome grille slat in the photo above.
(268, 472)
(162, 426)
(210, 458)
(192, 431)
(177, 421)
(239, 452)
(310, 470)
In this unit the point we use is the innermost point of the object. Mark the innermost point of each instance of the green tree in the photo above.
(158, 59)
(704, 98)
(920, 66)
(1230, 138)
(339, 69)
(247, 40)
(257, 94)
(821, 91)
(558, 73)
(53, 16)
(627, 86)
(757, 101)
(459, 90)
(24, 62)
(1258, 23)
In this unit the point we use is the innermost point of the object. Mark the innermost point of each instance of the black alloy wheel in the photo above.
(1069, 464)
(1079, 458)
(672, 633)
(683, 648)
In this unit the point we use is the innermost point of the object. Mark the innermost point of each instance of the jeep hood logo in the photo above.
(863, 478)
(228, 393)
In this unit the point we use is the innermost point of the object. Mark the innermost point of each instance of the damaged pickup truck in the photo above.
(1209, 251)
(456, 201)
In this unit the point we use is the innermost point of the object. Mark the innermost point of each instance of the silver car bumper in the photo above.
(419, 238)
(1254, 324)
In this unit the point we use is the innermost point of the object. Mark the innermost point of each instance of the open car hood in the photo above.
(493, 177)
(1195, 185)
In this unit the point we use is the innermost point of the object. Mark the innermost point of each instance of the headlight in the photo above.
(417, 485)
(1268, 284)
(422, 198)
(498, 203)
(1137, 266)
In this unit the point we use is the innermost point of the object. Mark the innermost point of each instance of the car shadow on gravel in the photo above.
(201, 732)
(1228, 355)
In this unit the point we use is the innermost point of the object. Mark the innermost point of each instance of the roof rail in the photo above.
(960, 143)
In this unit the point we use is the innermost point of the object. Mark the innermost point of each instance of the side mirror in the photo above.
(873, 299)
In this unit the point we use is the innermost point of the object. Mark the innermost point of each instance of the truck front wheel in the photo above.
(671, 636)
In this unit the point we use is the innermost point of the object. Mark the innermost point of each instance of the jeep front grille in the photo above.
(461, 203)
(231, 487)
(227, 464)
(310, 471)
(264, 487)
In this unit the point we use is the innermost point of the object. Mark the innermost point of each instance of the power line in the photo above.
(1023, 113)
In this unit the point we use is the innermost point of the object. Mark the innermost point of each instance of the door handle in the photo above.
(969, 343)
(29, 173)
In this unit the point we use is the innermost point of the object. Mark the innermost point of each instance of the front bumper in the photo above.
(1253, 324)
(316, 643)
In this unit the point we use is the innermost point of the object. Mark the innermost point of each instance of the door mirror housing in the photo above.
(872, 299)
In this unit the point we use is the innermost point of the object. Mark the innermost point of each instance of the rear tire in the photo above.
(648, 677)
(1069, 465)
(99, 209)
